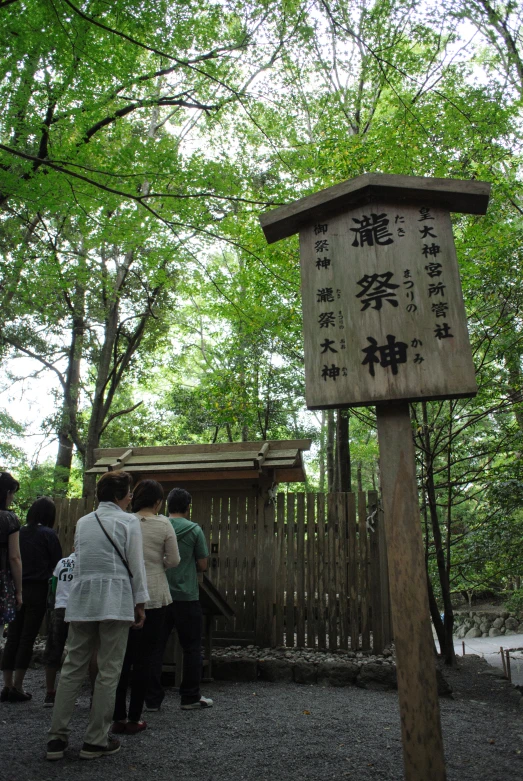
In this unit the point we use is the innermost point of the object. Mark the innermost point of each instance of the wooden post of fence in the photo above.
(418, 695)
(507, 661)
(265, 567)
(502, 652)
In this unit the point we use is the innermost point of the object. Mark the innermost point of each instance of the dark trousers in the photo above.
(142, 646)
(22, 632)
(186, 618)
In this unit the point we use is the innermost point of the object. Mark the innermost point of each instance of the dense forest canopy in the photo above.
(140, 141)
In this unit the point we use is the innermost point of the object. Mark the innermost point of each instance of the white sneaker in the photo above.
(205, 702)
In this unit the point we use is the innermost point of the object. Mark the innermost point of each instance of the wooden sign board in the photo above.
(383, 310)
(384, 324)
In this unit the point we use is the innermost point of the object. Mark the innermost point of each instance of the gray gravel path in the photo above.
(265, 731)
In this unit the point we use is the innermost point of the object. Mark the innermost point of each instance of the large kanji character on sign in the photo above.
(375, 289)
(326, 319)
(330, 372)
(373, 229)
(391, 354)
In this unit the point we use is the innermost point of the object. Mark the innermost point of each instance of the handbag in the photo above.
(115, 546)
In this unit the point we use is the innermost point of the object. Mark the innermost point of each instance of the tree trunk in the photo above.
(330, 451)
(322, 453)
(68, 427)
(343, 450)
(446, 641)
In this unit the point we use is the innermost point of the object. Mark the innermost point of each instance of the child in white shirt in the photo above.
(57, 630)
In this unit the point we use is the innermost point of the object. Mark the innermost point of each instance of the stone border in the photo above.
(376, 675)
(477, 623)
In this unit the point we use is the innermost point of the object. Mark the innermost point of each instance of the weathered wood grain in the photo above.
(384, 322)
(418, 697)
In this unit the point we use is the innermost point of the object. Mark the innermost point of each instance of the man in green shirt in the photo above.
(184, 613)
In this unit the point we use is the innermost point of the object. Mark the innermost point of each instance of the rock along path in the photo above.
(264, 731)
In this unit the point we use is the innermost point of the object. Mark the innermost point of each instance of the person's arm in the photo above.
(201, 551)
(171, 553)
(55, 549)
(139, 616)
(201, 564)
(134, 555)
(15, 565)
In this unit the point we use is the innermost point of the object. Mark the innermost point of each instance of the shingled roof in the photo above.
(281, 459)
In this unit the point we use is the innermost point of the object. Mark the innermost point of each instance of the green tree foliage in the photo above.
(138, 145)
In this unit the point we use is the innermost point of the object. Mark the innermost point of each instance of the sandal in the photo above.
(132, 727)
(15, 695)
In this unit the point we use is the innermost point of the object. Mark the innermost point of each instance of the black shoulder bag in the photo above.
(115, 546)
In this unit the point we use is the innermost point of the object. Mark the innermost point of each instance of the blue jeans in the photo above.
(186, 618)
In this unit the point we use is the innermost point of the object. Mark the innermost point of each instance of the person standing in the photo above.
(160, 553)
(108, 593)
(184, 613)
(40, 550)
(58, 628)
(10, 561)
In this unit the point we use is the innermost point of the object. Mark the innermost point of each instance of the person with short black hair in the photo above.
(10, 562)
(185, 612)
(160, 551)
(108, 593)
(40, 550)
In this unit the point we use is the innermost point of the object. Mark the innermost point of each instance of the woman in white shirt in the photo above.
(160, 550)
(108, 594)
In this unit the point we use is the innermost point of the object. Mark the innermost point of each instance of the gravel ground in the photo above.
(261, 731)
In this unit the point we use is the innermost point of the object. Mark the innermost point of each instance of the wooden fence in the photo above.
(319, 563)
(329, 572)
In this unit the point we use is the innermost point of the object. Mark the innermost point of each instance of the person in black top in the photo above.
(10, 560)
(41, 551)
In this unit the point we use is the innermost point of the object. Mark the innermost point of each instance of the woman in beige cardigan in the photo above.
(160, 551)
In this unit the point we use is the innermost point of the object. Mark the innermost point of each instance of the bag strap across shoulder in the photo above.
(115, 546)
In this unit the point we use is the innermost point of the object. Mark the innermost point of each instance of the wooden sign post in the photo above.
(384, 324)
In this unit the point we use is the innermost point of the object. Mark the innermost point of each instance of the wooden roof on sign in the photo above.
(456, 195)
(224, 461)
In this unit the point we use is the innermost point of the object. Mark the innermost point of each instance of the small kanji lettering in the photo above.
(442, 331)
(434, 249)
(321, 246)
(434, 269)
(440, 309)
(325, 294)
(320, 228)
(327, 346)
(425, 214)
(323, 263)
(426, 231)
(436, 290)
